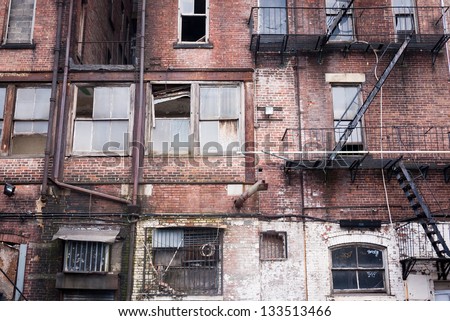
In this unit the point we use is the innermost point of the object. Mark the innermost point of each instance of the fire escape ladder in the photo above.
(362, 110)
(421, 210)
(334, 24)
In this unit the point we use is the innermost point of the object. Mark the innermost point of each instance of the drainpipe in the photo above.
(258, 186)
(137, 149)
(48, 145)
(59, 152)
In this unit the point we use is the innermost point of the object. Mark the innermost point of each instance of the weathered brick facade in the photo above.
(178, 232)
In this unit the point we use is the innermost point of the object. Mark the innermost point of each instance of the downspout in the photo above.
(58, 158)
(258, 186)
(48, 145)
(137, 148)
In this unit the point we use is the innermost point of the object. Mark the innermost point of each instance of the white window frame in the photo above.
(111, 149)
(357, 269)
(195, 119)
(72, 247)
(181, 14)
(6, 38)
(342, 121)
(346, 25)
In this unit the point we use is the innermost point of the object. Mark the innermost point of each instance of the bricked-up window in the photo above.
(272, 246)
(30, 120)
(171, 115)
(102, 117)
(20, 22)
(220, 109)
(344, 30)
(2, 108)
(186, 262)
(346, 102)
(193, 20)
(272, 17)
(404, 13)
(86, 257)
(358, 268)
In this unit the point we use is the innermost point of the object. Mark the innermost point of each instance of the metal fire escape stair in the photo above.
(427, 221)
(362, 110)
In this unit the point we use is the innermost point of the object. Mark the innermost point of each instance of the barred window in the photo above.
(273, 246)
(186, 262)
(85, 257)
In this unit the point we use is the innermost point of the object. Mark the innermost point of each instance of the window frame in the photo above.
(360, 142)
(264, 248)
(106, 247)
(186, 44)
(2, 110)
(347, 20)
(7, 42)
(195, 120)
(358, 289)
(268, 10)
(109, 152)
(403, 11)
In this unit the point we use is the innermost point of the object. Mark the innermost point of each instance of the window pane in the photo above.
(356, 135)
(102, 103)
(369, 257)
(273, 18)
(120, 102)
(23, 127)
(83, 136)
(40, 127)
(200, 7)
(187, 6)
(2, 101)
(193, 28)
(24, 103)
(343, 97)
(228, 136)
(119, 130)
(85, 102)
(344, 280)
(100, 134)
(344, 257)
(209, 138)
(209, 103)
(42, 107)
(403, 3)
(371, 279)
(164, 134)
(230, 102)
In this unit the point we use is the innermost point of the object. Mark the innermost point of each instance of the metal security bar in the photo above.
(86, 256)
(183, 262)
(272, 246)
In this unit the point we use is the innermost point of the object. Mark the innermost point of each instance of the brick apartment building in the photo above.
(224, 150)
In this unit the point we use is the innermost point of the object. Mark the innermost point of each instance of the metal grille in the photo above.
(86, 256)
(184, 262)
(273, 246)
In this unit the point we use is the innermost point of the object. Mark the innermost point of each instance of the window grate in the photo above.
(86, 257)
(273, 246)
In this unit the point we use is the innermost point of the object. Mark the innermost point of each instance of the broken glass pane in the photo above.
(193, 28)
(85, 102)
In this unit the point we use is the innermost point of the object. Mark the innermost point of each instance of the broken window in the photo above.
(193, 20)
(101, 119)
(2, 109)
(346, 103)
(272, 246)
(171, 119)
(219, 119)
(31, 120)
(404, 16)
(86, 257)
(344, 29)
(185, 261)
(20, 22)
(358, 268)
(272, 17)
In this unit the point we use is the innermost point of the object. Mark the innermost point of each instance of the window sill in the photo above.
(18, 46)
(193, 45)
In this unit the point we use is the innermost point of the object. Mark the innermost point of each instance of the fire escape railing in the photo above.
(311, 29)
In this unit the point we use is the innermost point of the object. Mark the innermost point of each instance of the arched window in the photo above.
(358, 267)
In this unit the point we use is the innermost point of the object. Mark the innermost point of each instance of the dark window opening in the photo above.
(193, 29)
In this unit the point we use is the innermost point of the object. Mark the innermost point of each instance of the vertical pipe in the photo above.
(48, 144)
(60, 124)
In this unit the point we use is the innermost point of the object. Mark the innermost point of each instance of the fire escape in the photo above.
(293, 31)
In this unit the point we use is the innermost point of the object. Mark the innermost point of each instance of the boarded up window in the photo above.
(358, 268)
(20, 21)
(220, 108)
(31, 120)
(273, 246)
(185, 262)
(101, 119)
